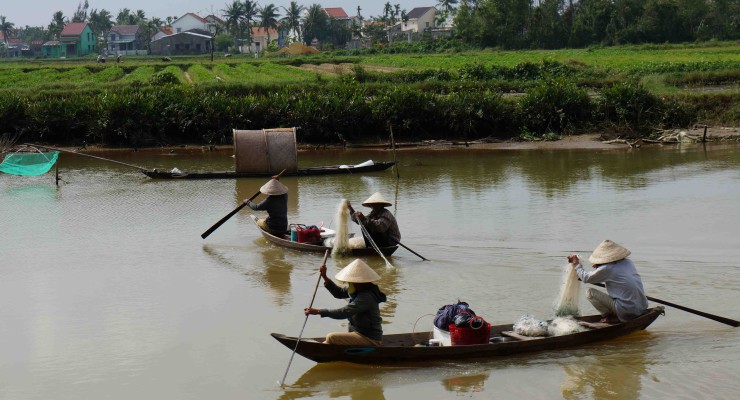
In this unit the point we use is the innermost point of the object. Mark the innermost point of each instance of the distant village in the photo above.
(241, 28)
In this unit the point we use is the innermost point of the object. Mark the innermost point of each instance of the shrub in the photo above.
(555, 106)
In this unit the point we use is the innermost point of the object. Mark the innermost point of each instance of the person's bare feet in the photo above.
(610, 320)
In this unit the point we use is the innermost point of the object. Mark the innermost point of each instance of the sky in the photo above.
(39, 12)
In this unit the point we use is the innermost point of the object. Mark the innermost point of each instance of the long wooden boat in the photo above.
(402, 347)
(318, 247)
(311, 171)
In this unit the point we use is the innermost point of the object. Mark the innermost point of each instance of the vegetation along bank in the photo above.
(631, 91)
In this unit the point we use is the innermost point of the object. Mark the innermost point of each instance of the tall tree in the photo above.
(293, 18)
(315, 24)
(251, 9)
(5, 28)
(81, 14)
(446, 5)
(233, 15)
(269, 19)
(58, 21)
(100, 23)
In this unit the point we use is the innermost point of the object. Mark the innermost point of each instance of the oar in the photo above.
(717, 318)
(236, 210)
(417, 254)
(366, 234)
(323, 263)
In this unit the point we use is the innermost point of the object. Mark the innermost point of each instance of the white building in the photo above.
(190, 21)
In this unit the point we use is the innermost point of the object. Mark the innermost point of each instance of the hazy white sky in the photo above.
(39, 12)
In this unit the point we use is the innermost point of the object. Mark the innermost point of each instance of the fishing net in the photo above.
(341, 238)
(567, 300)
(564, 326)
(28, 164)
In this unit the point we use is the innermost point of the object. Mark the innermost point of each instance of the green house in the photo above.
(77, 39)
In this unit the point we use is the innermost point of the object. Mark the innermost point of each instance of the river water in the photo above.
(107, 290)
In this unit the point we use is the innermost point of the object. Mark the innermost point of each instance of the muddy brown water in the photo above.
(108, 291)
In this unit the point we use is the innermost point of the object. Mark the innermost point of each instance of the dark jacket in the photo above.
(362, 311)
(382, 227)
(277, 211)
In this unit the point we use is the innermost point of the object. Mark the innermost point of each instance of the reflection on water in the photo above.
(338, 380)
(610, 371)
(466, 383)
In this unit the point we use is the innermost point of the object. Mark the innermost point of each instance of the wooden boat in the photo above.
(311, 171)
(318, 246)
(402, 347)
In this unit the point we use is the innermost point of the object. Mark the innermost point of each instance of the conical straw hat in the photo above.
(608, 252)
(376, 198)
(357, 272)
(273, 188)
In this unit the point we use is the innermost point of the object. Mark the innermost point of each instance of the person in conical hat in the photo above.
(276, 205)
(625, 296)
(379, 223)
(363, 309)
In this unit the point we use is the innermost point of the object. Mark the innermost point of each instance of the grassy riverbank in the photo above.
(628, 91)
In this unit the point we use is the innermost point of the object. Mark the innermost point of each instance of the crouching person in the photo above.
(362, 311)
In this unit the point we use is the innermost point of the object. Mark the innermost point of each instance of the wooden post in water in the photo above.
(57, 172)
(393, 147)
(704, 139)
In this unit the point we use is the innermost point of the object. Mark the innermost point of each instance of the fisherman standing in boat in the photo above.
(625, 298)
(276, 205)
(362, 311)
(380, 223)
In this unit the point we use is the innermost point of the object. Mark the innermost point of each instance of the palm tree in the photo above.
(268, 19)
(315, 24)
(100, 23)
(447, 5)
(5, 28)
(233, 14)
(293, 17)
(57, 25)
(250, 12)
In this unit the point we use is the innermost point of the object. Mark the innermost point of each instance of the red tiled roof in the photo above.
(215, 18)
(198, 17)
(74, 29)
(262, 32)
(336, 12)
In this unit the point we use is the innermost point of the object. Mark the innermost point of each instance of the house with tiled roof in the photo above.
(161, 32)
(338, 14)
(126, 40)
(77, 39)
(190, 21)
(419, 20)
(260, 38)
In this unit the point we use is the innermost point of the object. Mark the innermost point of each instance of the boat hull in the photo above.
(320, 248)
(402, 347)
(313, 171)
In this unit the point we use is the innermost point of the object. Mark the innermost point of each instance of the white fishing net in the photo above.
(528, 325)
(340, 241)
(564, 326)
(570, 288)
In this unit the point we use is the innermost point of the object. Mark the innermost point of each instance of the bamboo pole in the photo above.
(87, 155)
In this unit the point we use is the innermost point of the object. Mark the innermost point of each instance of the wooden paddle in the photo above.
(236, 210)
(366, 234)
(717, 318)
(323, 263)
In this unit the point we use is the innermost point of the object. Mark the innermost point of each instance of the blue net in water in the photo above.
(28, 164)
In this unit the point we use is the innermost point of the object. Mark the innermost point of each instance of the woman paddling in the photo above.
(362, 311)
(276, 205)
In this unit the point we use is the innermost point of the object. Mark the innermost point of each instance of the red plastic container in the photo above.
(308, 234)
(468, 335)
